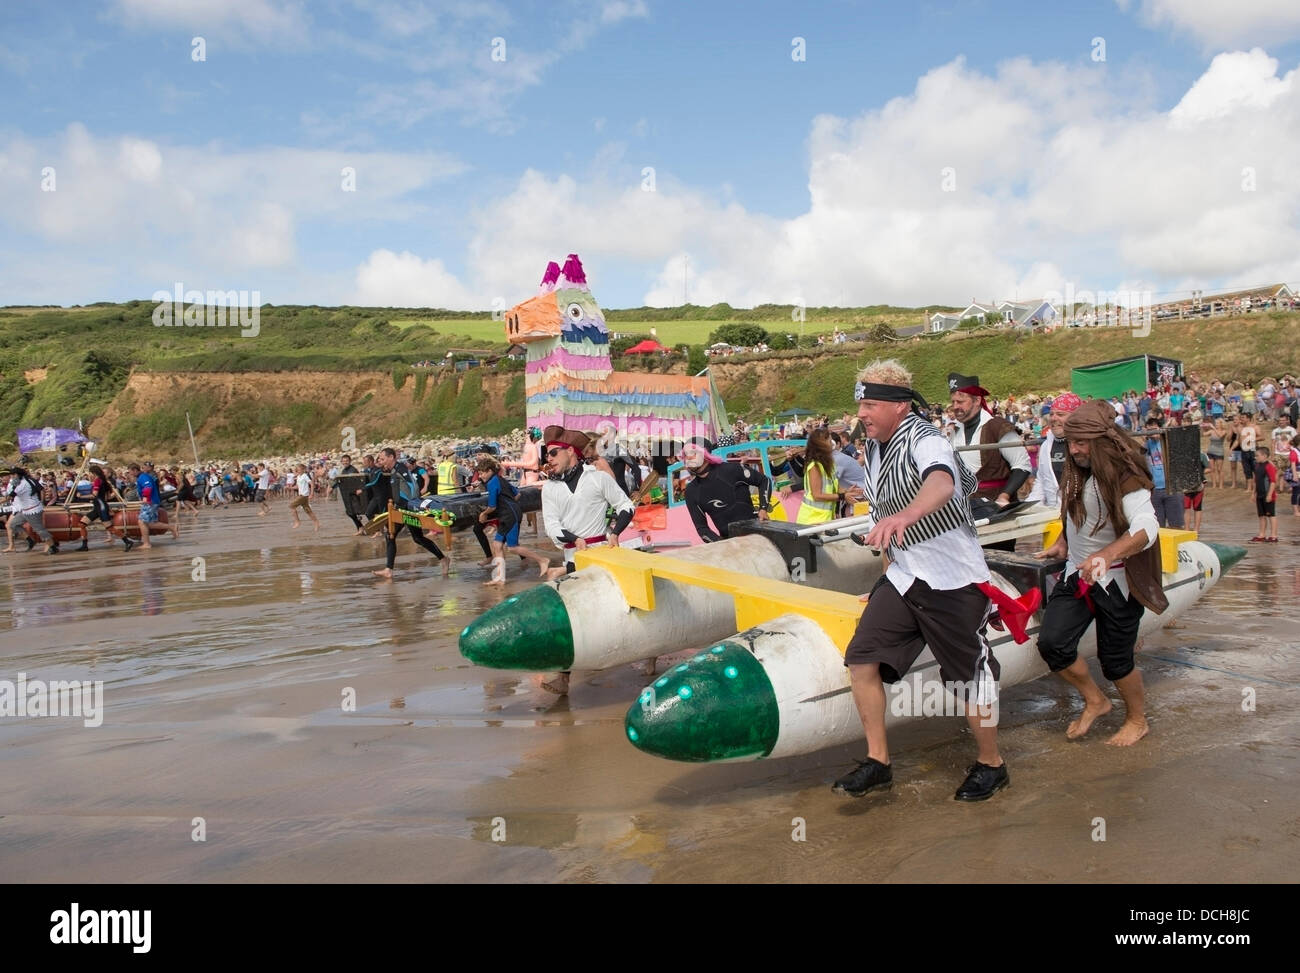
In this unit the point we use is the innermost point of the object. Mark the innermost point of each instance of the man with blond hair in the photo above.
(930, 593)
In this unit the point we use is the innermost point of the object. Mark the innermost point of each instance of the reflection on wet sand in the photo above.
(224, 699)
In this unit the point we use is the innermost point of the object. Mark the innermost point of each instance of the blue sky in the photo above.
(818, 180)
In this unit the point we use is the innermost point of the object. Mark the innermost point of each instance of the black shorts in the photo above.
(1265, 508)
(1193, 501)
(1066, 618)
(894, 629)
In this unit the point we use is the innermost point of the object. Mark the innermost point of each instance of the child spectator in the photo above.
(1265, 496)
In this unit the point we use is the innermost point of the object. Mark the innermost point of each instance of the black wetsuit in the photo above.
(723, 494)
(374, 492)
(394, 480)
(352, 504)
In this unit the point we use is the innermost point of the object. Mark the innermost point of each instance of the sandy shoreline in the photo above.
(223, 701)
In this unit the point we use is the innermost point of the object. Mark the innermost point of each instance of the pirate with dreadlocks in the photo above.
(1113, 567)
(935, 590)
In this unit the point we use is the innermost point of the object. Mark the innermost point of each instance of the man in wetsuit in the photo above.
(720, 491)
(403, 488)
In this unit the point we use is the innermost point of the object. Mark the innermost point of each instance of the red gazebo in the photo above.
(645, 347)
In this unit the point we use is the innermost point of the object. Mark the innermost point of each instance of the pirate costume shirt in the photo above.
(934, 592)
(941, 547)
(996, 470)
(576, 506)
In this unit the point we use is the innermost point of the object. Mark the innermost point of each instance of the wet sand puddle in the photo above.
(230, 700)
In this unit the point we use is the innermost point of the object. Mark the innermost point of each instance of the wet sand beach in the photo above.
(224, 700)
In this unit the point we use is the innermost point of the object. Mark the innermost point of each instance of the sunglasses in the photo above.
(550, 453)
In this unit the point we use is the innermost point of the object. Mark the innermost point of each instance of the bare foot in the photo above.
(261, 513)
(1130, 733)
(554, 573)
(491, 583)
(485, 564)
(645, 667)
(1091, 713)
(385, 573)
(316, 526)
(543, 567)
(295, 525)
(558, 684)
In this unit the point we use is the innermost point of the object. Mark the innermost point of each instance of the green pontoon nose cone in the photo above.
(1228, 554)
(526, 631)
(718, 705)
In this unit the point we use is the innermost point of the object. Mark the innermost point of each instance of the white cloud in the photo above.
(271, 22)
(1222, 24)
(616, 10)
(1058, 179)
(388, 279)
(1235, 81)
(131, 199)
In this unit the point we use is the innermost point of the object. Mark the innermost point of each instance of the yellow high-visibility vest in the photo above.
(818, 511)
(447, 477)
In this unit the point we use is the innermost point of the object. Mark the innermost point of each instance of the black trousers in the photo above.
(1066, 618)
(417, 535)
(480, 531)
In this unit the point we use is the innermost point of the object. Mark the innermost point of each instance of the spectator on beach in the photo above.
(1247, 440)
(1218, 434)
(303, 499)
(1169, 509)
(1265, 497)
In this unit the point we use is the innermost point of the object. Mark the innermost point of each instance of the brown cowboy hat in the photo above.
(578, 441)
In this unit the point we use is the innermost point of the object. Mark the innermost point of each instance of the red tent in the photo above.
(645, 347)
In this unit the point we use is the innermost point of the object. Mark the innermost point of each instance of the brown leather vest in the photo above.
(1142, 570)
(994, 466)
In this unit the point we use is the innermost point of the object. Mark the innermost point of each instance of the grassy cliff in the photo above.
(61, 365)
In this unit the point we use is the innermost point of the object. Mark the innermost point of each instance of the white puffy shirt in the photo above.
(1083, 543)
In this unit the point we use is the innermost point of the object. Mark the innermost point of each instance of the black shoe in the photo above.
(128, 543)
(982, 782)
(30, 543)
(85, 545)
(870, 775)
(52, 549)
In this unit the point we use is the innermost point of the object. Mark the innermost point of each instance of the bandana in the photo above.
(887, 393)
(1066, 402)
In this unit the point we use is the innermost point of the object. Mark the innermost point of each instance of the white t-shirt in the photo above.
(304, 485)
(25, 501)
(264, 480)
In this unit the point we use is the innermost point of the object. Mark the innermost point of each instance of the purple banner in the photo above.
(49, 438)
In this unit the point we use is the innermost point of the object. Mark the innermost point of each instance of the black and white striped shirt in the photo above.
(941, 548)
